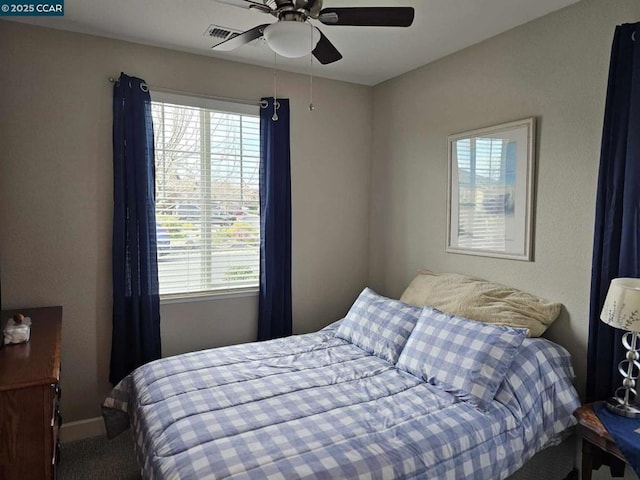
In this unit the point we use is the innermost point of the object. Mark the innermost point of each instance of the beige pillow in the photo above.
(481, 300)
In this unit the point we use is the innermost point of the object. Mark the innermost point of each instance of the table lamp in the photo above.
(621, 310)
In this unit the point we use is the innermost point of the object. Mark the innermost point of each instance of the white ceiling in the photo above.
(371, 55)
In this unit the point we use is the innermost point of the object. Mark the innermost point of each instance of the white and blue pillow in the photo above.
(466, 358)
(379, 325)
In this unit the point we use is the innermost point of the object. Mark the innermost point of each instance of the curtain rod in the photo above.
(245, 101)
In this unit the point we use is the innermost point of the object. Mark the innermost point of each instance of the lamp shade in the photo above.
(291, 39)
(621, 307)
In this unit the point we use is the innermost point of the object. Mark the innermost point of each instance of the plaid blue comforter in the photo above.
(315, 406)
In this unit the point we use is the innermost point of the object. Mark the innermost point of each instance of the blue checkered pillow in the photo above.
(379, 325)
(466, 358)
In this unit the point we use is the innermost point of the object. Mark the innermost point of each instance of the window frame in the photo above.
(205, 102)
(524, 180)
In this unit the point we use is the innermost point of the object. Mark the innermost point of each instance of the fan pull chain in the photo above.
(311, 107)
(275, 98)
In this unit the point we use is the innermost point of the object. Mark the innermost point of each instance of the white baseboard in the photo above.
(72, 431)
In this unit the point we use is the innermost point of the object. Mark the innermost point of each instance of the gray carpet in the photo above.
(99, 459)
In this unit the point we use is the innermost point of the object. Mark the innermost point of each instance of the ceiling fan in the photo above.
(294, 36)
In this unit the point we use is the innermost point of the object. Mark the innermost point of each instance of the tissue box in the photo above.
(17, 332)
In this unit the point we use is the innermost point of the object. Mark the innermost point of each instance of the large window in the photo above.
(207, 194)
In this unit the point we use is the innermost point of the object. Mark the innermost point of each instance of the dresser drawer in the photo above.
(26, 434)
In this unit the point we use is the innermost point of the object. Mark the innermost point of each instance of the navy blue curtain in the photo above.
(616, 249)
(136, 300)
(274, 315)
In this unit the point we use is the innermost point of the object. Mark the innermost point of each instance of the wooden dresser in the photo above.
(29, 398)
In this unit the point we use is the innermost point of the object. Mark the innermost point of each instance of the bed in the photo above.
(358, 399)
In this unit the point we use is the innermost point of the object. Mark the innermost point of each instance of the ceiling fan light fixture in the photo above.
(291, 39)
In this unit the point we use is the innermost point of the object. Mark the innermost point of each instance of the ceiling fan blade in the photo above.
(247, 4)
(325, 52)
(368, 16)
(240, 39)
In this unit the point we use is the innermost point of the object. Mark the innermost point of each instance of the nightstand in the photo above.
(596, 440)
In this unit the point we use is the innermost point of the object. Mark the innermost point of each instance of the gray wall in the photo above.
(554, 68)
(56, 193)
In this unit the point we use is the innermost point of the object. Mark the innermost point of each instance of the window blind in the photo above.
(485, 175)
(207, 196)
